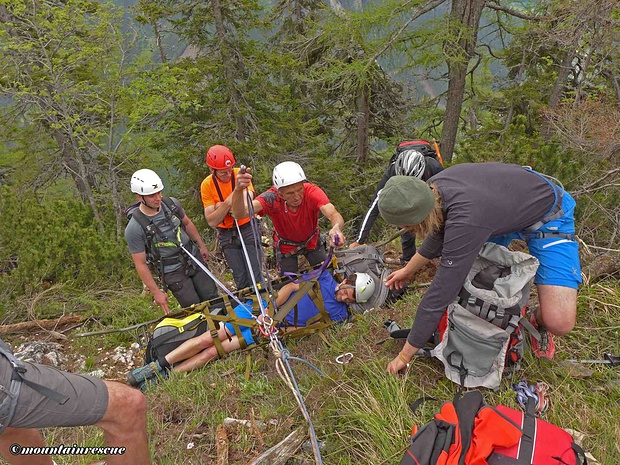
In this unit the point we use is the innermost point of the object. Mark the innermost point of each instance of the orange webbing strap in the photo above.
(436, 145)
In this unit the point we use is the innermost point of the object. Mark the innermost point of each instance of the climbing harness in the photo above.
(314, 274)
(556, 211)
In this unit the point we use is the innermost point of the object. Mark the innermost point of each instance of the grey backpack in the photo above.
(482, 331)
(364, 259)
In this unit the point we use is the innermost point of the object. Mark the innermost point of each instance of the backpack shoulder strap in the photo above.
(144, 222)
(168, 202)
(217, 186)
(467, 407)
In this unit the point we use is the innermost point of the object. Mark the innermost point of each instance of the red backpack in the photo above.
(468, 432)
(422, 146)
(542, 443)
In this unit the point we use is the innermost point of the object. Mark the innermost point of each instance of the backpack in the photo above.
(364, 259)
(467, 431)
(481, 334)
(151, 230)
(421, 145)
(542, 443)
(170, 333)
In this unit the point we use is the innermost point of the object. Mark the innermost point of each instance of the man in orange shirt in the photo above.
(216, 191)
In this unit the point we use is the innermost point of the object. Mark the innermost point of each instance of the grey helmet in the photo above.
(410, 163)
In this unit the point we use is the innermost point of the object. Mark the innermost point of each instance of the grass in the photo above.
(360, 413)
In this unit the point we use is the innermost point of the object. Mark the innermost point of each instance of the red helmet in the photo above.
(220, 157)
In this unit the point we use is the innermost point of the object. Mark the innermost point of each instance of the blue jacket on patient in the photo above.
(306, 308)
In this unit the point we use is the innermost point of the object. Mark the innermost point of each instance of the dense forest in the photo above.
(91, 91)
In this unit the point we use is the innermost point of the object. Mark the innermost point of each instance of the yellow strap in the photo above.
(248, 365)
(216, 340)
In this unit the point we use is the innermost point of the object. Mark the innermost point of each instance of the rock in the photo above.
(47, 353)
(576, 370)
(123, 355)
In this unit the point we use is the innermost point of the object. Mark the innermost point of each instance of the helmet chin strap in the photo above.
(147, 205)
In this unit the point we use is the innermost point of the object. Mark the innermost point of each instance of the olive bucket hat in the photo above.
(405, 201)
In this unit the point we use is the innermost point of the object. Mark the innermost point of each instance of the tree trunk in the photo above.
(160, 45)
(229, 71)
(74, 165)
(363, 123)
(465, 13)
(560, 83)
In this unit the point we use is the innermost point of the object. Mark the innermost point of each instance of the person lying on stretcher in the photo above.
(198, 351)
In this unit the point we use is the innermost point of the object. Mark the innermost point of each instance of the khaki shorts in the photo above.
(88, 397)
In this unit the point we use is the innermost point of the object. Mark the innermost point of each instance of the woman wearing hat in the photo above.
(467, 205)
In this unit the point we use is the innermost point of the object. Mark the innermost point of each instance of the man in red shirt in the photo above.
(216, 192)
(293, 205)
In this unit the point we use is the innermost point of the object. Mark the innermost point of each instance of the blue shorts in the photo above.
(558, 256)
(243, 311)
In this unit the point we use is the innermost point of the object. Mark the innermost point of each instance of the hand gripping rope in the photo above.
(270, 330)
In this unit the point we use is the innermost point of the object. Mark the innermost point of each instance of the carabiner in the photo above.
(344, 358)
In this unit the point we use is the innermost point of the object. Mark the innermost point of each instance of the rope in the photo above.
(268, 329)
(212, 276)
(536, 392)
(314, 274)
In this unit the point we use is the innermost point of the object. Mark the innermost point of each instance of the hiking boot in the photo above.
(139, 375)
(150, 382)
(545, 348)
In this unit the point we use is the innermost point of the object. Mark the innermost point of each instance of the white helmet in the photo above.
(287, 174)
(410, 163)
(364, 287)
(146, 182)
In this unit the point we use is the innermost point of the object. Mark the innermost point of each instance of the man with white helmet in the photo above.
(293, 205)
(157, 228)
(406, 161)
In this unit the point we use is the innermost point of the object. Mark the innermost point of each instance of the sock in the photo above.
(163, 362)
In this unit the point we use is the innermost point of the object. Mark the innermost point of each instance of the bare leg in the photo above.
(202, 358)
(23, 437)
(124, 425)
(558, 308)
(194, 346)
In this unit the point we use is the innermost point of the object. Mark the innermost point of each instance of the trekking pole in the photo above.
(613, 360)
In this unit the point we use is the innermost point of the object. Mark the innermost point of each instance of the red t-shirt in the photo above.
(297, 226)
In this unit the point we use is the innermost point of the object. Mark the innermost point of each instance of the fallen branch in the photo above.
(221, 441)
(282, 451)
(36, 325)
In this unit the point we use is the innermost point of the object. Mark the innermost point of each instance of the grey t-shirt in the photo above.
(136, 237)
(479, 200)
